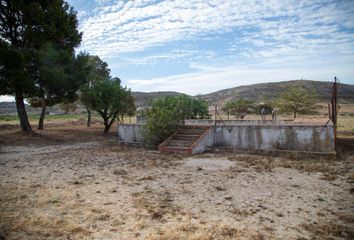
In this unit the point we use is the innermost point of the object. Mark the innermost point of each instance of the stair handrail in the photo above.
(222, 120)
(218, 114)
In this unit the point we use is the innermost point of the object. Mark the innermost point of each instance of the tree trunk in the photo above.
(106, 129)
(108, 123)
(22, 114)
(41, 118)
(294, 114)
(106, 126)
(88, 117)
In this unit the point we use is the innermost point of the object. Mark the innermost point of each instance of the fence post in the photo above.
(216, 109)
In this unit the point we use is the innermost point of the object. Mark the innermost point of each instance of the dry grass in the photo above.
(60, 186)
(45, 227)
(156, 205)
(329, 230)
(193, 231)
(330, 169)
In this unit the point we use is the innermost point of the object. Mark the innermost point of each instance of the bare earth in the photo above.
(70, 182)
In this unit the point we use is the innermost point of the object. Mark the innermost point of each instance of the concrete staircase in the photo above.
(185, 140)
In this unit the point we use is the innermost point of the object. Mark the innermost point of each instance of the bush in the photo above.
(166, 114)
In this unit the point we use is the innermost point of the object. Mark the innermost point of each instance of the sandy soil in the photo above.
(69, 182)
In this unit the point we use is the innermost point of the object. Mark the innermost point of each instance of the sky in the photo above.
(201, 46)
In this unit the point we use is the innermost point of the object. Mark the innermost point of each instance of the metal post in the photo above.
(216, 109)
(335, 111)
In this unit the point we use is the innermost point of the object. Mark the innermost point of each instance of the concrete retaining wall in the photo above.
(131, 133)
(275, 137)
(253, 137)
(210, 122)
(206, 140)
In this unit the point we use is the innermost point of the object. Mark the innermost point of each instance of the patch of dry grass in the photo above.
(156, 205)
(330, 169)
(193, 231)
(329, 230)
(45, 227)
(187, 229)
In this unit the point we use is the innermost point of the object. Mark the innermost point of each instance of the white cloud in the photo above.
(212, 79)
(281, 39)
(134, 26)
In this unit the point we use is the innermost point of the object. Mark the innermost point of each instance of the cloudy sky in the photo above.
(200, 46)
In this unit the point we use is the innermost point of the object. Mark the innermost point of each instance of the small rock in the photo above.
(218, 188)
(120, 172)
(228, 198)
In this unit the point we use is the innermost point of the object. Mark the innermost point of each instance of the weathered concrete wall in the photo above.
(131, 133)
(275, 137)
(253, 137)
(206, 140)
(210, 122)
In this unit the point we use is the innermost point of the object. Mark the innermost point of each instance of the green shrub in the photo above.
(166, 114)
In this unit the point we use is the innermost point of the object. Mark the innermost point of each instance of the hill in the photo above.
(143, 98)
(259, 92)
(255, 92)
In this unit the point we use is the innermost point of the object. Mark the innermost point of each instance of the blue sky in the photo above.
(200, 46)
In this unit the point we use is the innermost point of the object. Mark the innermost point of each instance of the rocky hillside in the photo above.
(143, 98)
(259, 92)
(256, 92)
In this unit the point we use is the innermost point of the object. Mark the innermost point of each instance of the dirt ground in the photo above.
(71, 182)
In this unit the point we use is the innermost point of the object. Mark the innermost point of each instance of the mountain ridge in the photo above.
(260, 91)
(255, 92)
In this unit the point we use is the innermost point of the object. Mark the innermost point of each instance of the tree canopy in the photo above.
(166, 114)
(96, 71)
(37, 41)
(297, 100)
(109, 99)
(238, 107)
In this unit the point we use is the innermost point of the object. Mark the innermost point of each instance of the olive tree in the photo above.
(108, 98)
(166, 114)
(238, 107)
(297, 100)
(96, 70)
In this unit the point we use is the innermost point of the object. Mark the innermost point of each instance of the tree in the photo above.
(60, 77)
(68, 106)
(199, 108)
(26, 27)
(14, 79)
(108, 98)
(130, 107)
(268, 107)
(239, 107)
(96, 71)
(297, 100)
(166, 114)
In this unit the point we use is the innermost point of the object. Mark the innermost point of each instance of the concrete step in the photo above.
(183, 139)
(190, 131)
(171, 149)
(187, 137)
(179, 143)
